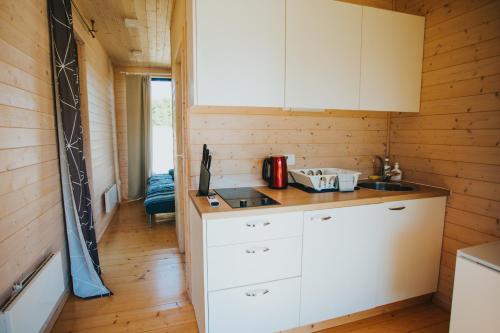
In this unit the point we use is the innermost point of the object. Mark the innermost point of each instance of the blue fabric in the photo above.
(160, 178)
(160, 194)
(159, 187)
(161, 202)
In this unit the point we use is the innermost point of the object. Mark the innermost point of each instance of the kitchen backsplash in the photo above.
(240, 138)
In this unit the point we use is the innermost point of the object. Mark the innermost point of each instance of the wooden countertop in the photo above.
(293, 199)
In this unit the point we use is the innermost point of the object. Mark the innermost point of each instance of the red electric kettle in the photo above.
(274, 172)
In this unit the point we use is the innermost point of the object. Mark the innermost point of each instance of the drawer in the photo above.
(253, 228)
(267, 307)
(249, 263)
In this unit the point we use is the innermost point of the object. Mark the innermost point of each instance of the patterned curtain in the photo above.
(82, 245)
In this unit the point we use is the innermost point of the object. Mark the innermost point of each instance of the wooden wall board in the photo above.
(453, 141)
(98, 85)
(31, 219)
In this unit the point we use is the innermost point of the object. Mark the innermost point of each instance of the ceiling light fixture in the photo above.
(136, 53)
(131, 22)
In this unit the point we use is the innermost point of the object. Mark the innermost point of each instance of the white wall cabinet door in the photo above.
(339, 262)
(410, 248)
(323, 46)
(240, 52)
(391, 60)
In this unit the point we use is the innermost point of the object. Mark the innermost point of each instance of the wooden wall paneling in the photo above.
(241, 137)
(453, 141)
(99, 90)
(31, 218)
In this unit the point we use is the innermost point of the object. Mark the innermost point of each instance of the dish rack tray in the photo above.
(326, 178)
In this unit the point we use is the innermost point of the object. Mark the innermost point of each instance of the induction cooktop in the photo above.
(244, 197)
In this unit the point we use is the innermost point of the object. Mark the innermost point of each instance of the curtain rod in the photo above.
(150, 73)
(91, 28)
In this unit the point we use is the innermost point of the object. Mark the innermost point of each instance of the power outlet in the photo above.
(290, 159)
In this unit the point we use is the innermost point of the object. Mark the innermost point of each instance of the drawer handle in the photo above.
(255, 293)
(258, 224)
(257, 250)
(322, 218)
(397, 208)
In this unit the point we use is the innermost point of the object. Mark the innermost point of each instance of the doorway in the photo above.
(162, 126)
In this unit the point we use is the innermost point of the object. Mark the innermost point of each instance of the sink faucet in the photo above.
(378, 170)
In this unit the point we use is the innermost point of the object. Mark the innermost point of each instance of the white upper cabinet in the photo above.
(239, 55)
(323, 49)
(391, 61)
(304, 54)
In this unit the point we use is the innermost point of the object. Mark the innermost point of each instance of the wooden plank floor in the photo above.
(424, 318)
(146, 274)
(145, 271)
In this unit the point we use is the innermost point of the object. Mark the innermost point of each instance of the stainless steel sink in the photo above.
(387, 186)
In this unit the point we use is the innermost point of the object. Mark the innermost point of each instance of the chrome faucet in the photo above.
(379, 170)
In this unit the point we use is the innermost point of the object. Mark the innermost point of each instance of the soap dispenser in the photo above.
(387, 169)
(396, 173)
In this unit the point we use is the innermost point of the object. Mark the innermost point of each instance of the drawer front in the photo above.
(255, 262)
(267, 307)
(253, 228)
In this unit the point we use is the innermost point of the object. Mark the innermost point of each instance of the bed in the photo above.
(160, 195)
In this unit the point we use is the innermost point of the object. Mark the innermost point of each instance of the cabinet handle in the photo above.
(257, 250)
(397, 208)
(258, 224)
(322, 218)
(258, 292)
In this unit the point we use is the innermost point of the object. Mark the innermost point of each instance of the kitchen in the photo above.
(260, 241)
(336, 166)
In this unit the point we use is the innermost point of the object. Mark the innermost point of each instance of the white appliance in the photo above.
(476, 291)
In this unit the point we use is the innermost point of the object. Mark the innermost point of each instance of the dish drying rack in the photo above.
(326, 178)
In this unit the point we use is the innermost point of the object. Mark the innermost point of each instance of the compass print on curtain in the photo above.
(84, 258)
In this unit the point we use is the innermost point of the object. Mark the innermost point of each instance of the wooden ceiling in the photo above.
(151, 36)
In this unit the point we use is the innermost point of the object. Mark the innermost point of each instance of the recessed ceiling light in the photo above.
(136, 53)
(131, 22)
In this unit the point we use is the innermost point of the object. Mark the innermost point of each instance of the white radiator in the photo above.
(111, 198)
(33, 306)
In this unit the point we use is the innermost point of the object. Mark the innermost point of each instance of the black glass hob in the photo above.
(243, 197)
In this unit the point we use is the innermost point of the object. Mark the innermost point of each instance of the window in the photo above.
(162, 125)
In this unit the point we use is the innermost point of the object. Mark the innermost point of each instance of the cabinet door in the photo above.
(391, 60)
(323, 45)
(339, 262)
(264, 308)
(410, 250)
(240, 52)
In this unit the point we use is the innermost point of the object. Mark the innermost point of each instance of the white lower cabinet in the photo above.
(273, 272)
(410, 248)
(339, 262)
(248, 263)
(356, 258)
(267, 307)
